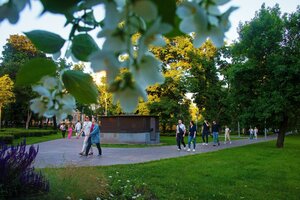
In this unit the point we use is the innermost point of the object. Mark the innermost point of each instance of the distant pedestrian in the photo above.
(215, 130)
(227, 135)
(94, 138)
(255, 132)
(180, 133)
(70, 130)
(205, 132)
(251, 133)
(192, 136)
(63, 129)
(77, 128)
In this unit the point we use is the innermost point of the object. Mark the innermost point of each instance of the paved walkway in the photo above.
(63, 152)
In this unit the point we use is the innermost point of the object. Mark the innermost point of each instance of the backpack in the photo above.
(180, 130)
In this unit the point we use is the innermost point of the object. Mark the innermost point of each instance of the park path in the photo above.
(64, 152)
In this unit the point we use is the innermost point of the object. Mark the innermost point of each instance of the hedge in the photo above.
(7, 136)
(7, 139)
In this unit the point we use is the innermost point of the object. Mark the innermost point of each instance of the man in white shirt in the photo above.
(180, 133)
(86, 128)
(227, 135)
(77, 128)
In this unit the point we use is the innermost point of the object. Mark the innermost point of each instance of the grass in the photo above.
(258, 171)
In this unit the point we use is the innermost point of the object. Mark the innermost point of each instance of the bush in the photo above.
(20, 133)
(170, 133)
(6, 139)
(17, 177)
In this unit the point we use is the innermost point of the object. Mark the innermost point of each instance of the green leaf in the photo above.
(167, 10)
(81, 86)
(83, 46)
(84, 29)
(10, 12)
(59, 6)
(46, 41)
(89, 18)
(32, 71)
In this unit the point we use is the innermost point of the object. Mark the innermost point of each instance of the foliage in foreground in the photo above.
(17, 177)
(152, 20)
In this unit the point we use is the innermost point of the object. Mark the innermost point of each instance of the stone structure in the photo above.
(130, 129)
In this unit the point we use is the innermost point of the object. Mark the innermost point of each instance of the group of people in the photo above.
(90, 130)
(66, 127)
(192, 133)
(253, 133)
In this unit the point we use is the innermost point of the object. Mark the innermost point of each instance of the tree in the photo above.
(209, 92)
(6, 93)
(107, 107)
(169, 100)
(264, 75)
(17, 51)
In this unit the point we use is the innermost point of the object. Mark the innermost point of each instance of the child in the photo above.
(70, 130)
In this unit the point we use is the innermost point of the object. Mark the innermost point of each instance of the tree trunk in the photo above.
(54, 123)
(282, 130)
(29, 114)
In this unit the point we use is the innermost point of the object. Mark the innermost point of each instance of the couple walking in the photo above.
(180, 133)
(91, 132)
(215, 131)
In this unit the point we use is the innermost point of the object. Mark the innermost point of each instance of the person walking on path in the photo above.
(63, 129)
(255, 132)
(205, 132)
(77, 128)
(215, 130)
(180, 133)
(86, 129)
(70, 130)
(192, 136)
(227, 135)
(94, 138)
(251, 131)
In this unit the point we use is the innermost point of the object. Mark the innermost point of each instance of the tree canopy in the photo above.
(6, 93)
(264, 75)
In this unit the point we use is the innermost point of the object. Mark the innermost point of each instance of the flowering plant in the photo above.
(130, 28)
(17, 176)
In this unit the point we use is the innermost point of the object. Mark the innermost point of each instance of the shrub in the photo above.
(6, 139)
(17, 177)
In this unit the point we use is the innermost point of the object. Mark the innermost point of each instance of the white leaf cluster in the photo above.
(52, 100)
(123, 19)
(120, 24)
(205, 20)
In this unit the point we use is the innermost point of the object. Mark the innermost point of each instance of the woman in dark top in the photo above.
(192, 135)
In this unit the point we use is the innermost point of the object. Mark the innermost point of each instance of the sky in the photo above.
(31, 20)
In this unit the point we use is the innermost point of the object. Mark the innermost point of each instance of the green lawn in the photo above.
(258, 171)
